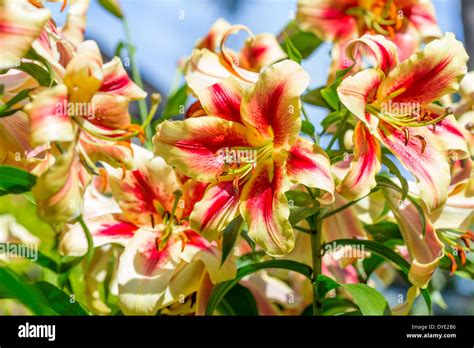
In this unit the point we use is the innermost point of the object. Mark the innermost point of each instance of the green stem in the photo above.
(338, 132)
(317, 258)
(136, 78)
(155, 102)
(345, 206)
(90, 242)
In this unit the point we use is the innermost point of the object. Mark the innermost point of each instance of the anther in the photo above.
(422, 141)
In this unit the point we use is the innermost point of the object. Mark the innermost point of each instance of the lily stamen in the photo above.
(454, 265)
(422, 141)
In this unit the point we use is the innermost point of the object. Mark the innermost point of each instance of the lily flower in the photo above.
(408, 23)
(15, 148)
(211, 62)
(424, 247)
(163, 261)
(20, 24)
(88, 108)
(248, 148)
(396, 108)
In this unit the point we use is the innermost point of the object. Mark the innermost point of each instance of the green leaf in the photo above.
(251, 257)
(305, 42)
(385, 182)
(330, 96)
(368, 299)
(333, 117)
(420, 211)
(41, 259)
(395, 171)
(230, 234)
(291, 50)
(377, 248)
(388, 254)
(221, 289)
(112, 7)
(371, 264)
(298, 198)
(337, 305)
(325, 284)
(12, 287)
(15, 180)
(58, 300)
(301, 213)
(307, 128)
(238, 301)
(5, 109)
(35, 70)
(314, 97)
(329, 93)
(384, 231)
(176, 103)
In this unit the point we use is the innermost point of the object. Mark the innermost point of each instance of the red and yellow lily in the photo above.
(408, 23)
(248, 148)
(395, 107)
(164, 260)
(211, 62)
(86, 112)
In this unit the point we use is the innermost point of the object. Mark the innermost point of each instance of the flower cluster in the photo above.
(241, 186)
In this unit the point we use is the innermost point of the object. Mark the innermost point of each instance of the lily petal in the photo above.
(75, 25)
(218, 207)
(327, 18)
(59, 191)
(84, 73)
(422, 155)
(261, 51)
(383, 50)
(452, 138)
(360, 179)
(213, 39)
(273, 106)
(424, 247)
(222, 99)
(145, 274)
(20, 24)
(309, 165)
(146, 193)
(99, 150)
(205, 68)
(49, 120)
(105, 229)
(199, 249)
(193, 145)
(116, 81)
(458, 211)
(110, 111)
(355, 92)
(441, 65)
(265, 209)
(422, 15)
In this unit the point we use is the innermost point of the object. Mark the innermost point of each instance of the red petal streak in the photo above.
(225, 102)
(121, 229)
